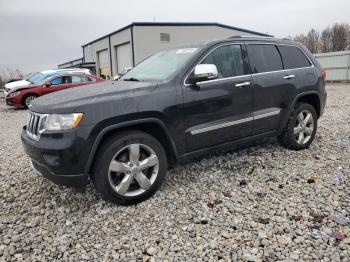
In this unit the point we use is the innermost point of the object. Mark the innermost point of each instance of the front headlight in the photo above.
(61, 121)
(13, 94)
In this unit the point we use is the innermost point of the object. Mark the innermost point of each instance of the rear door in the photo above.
(298, 67)
(220, 110)
(272, 89)
(79, 80)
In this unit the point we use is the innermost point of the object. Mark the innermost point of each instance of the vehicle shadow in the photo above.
(177, 176)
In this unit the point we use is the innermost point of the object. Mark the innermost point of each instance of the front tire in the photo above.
(28, 100)
(301, 127)
(130, 167)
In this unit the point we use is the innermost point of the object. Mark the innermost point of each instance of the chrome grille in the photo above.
(34, 123)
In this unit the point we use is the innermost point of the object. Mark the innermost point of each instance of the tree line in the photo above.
(9, 74)
(331, 39)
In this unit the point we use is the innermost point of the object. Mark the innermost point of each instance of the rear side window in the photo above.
(264, 58)
(228, 60)
(79, 79)
(293, 57)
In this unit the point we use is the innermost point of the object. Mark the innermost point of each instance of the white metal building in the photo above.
(131, 44)
(336, 64)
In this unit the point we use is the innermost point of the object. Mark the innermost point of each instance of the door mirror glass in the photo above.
(47, 84)
(203, 72)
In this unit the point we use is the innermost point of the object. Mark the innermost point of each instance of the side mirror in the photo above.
(47, 84)
(125, 70)
(203, 72)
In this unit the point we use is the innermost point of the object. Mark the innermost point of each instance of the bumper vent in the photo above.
(34, 127)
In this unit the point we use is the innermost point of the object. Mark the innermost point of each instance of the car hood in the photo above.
(20, 83)
(78, 98)
(18, 88)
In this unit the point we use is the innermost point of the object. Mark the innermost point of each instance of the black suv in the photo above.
(173, 106)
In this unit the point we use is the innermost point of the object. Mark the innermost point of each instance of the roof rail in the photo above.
(250, 36)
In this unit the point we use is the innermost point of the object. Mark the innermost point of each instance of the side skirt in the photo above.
(224, 147)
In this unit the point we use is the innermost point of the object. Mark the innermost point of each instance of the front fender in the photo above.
(105, 130)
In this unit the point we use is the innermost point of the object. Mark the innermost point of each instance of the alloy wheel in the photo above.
(133, 170)
(29, 100)
(304, 127)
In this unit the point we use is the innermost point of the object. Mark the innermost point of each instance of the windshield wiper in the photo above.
(131, 79)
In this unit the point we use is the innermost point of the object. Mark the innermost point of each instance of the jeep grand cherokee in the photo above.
(175, 105)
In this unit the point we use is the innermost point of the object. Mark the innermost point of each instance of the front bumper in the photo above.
(12, 101)
(60, 158)
(76, 181)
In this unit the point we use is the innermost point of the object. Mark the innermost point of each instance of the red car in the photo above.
(22, 96)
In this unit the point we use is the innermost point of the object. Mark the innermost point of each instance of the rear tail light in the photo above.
(324, 74)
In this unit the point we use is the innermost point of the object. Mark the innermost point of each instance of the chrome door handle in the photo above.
(243, 84)
(289, 76)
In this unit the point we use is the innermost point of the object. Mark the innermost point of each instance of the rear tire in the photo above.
(28, 99)
(129, 168)
(301, 127)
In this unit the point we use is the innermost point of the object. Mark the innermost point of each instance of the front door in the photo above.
(220, 110)
(58, 83)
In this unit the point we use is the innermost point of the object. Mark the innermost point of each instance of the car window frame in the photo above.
(284, 69)
(302, 51)
(52, 79)
(279, 54)
(208, 51)
(230, 59)
(245, 59)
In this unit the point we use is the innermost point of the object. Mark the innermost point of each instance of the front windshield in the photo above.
(41, 78)
(160, 66)
(33, 76)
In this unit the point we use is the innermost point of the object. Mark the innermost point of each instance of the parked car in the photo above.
(49, 83)
(173, 106)
(33, 77)
(13, 80)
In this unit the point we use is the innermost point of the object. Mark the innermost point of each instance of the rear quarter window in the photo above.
(293, 57)
(264, 58)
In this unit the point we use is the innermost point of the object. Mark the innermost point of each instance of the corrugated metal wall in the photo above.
(336, 64)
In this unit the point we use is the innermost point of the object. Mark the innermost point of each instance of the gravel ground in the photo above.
(252, 204)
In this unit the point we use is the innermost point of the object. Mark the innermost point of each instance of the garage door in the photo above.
(123, 57)
(103, 63)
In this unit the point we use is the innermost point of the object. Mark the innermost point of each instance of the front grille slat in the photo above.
(35, 128)
(34, 125)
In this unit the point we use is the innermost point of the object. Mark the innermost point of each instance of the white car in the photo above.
(28, 80)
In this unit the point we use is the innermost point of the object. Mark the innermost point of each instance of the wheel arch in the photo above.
(312, 98)
(26, 95)
(151, 126)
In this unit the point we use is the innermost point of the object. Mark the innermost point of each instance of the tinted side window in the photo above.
(228, 60)
(57, 81)
(79, 79)
(264, 58)
(293, 57)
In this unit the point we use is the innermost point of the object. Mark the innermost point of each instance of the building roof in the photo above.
(177, 24)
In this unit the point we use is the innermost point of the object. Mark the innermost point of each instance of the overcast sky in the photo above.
(39, 34)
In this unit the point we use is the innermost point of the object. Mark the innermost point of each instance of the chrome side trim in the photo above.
(236, 122)
(276, 112)
(227, 124)
(243, 84)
